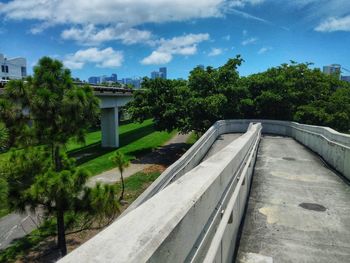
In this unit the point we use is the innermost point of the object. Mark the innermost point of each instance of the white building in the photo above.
(12, 68)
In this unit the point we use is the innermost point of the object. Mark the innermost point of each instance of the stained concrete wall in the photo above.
(171, 225)
(334, 149)
(332, 146)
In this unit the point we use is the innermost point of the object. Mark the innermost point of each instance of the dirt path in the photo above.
(164, 155)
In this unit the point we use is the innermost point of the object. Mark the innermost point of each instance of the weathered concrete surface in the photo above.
(204, 148)
(172, 223)
(221, 142)
(287, 178)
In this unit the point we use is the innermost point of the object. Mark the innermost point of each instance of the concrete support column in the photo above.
(109, 127)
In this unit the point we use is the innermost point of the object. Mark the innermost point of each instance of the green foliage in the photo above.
(162, 99)
(134, 186)
(12, 103)
(20, 172)
(193, 138)
(49, 110)
(20, 246)
(4, 137)
(288, 92)
(32, 181)
(135, 139)
(121, 162)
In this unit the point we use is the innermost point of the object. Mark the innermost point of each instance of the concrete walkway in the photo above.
(298, 209)
(164, 155)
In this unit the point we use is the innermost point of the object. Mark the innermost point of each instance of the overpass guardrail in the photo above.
(192, 212)
(177, 223)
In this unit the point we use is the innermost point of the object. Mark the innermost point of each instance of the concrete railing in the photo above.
(328, 143)
(332, 146)
(179, 223)
(188, 161)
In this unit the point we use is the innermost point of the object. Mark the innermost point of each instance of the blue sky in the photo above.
(135, 37)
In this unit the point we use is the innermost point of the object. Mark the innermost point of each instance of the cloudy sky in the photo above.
(134, 37)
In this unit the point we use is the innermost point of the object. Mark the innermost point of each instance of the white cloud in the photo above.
(334, 24)
(131, 12)
(249, 41)
(263, 50)
(215, 52)
(104, 58)
(91, 35)
(327, 15)
(157, 58)
(110, 16)
(184, 45)
(242, 3)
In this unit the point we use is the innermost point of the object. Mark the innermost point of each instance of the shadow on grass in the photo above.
(92, 151)
(164, 155)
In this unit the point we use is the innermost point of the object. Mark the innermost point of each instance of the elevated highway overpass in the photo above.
(203, 208)
(111, 99)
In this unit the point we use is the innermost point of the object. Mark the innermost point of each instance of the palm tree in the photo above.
(121, 162)
(3, 137)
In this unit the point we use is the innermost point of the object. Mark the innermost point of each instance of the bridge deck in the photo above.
(298, 209)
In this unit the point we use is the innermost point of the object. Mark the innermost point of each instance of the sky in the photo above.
(134, 37)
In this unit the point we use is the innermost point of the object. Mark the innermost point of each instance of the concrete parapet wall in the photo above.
(336, 157)
(192, 212)
(189, 160)
(176, 224)
(332, 146)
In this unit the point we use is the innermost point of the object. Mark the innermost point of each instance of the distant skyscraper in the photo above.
(163, 72)
(155, 74)
(333, 69)
(98, 80)
(137, 83)
(114, 78)
(94, 80)
(345, 78)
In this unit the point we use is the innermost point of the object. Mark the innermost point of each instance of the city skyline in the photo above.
(265, 32)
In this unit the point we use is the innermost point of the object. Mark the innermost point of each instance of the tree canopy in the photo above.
(293, 91)
(41, 114)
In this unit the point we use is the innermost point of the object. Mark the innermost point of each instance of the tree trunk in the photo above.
(57, 158)
(122, 194)
(61, 236)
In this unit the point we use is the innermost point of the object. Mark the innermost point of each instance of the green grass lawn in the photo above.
(135, 139)
(192, 138)
(95, 136)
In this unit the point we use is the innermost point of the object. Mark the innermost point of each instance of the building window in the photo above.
(7, 69)
(2, 68)
(23, 71)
